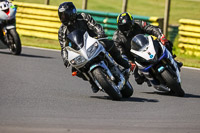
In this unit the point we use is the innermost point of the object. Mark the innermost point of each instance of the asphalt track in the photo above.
(39, 95)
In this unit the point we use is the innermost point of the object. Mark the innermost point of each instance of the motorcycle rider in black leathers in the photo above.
(127, 29)
(72, 21)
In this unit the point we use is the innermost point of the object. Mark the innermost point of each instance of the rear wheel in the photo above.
(106, 83)
(175, 87)
(127, 91)
(15, 43)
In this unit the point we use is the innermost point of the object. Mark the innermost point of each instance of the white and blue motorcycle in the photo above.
(90, 58)
(10, 38)
(156, 64)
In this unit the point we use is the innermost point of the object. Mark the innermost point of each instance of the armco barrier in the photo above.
(42, 21)
(189, 40)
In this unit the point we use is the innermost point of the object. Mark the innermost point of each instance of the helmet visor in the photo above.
(125, 27)
(68, 16)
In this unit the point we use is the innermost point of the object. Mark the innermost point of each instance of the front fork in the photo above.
(5, 36)
(108, 72)
(4, 31)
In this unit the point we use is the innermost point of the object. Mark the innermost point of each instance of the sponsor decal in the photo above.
(62, 9)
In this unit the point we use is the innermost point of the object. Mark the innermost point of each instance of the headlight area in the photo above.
(92, 49)
(78, 60)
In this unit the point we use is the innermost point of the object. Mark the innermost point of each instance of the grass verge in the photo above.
(39, 42)
(187, 60)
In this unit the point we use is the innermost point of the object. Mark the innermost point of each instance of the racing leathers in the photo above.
(87, 23)
(123, 41)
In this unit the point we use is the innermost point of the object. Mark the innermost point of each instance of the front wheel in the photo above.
(106, 83)
(14, 42)
(175, 87)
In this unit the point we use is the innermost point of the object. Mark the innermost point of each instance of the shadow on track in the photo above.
(187, 95)
(3, 52)
(131, 99)
(191, 96)
(159, 93)
(162, 93)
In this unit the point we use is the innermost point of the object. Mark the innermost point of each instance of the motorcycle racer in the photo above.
(127, 29)
(72, 21)
(4, 7)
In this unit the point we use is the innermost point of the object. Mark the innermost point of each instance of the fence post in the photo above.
(84, 6)
(124, 5)
(166, 17)
(47, 2)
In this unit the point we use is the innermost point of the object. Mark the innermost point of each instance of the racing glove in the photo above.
(163, 40)
(132, 68)
(101, 35)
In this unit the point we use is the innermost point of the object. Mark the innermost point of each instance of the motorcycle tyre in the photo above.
(106, 83)
(17, 42)
(127, 91)
(175, 87)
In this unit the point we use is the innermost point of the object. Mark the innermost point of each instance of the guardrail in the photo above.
(189, 39)
(42, 21)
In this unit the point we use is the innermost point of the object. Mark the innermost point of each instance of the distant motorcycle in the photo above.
(90, 58)
(7, 24)
(156, 64)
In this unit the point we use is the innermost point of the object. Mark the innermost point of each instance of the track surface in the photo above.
(39, 95)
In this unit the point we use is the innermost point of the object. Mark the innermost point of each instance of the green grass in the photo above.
(190, 61)
(39, 42)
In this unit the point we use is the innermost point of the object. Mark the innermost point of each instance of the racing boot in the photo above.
(94, 87)
(148, 82)
(138, 78)
(180, 64)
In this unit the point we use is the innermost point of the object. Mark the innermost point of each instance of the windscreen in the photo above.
(76, 39)
(139, 42)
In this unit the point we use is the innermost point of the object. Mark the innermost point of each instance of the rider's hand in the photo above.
(101, 36)
(163, 40)
(132, 66)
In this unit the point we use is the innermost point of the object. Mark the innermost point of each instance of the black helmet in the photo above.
(125, 22)
(67, 13)
(139, 42)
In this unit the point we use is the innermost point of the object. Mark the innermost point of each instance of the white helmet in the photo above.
(4, 6)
